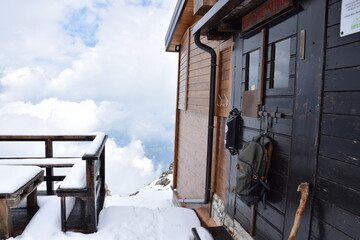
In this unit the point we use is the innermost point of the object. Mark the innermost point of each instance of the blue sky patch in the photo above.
(144, 3)
(83, 23)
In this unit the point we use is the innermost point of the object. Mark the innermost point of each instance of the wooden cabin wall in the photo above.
(183, 72)
(336, 212)
(193, 103)
(191, 157)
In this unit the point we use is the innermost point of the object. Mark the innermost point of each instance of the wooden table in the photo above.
(26, 181)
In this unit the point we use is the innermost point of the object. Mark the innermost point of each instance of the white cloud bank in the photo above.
(77, 67)
(127, 167)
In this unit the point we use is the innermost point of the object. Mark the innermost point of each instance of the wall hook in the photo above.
(227, 101)
(219, 103)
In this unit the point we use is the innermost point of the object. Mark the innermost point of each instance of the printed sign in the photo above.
(350, 17)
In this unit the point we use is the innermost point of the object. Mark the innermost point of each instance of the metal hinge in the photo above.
(302, 44)
(270, 117)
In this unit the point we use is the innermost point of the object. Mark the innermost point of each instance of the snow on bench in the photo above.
(95, 146)
(85, 182)
(16, 183)
(13, 178)
(76, 178)
(41, 162)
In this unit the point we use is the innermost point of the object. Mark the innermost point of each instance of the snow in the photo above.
(145, 197)
(148, 215)
(143, 223)
(76, 177)
(95, 144)
(39, 161)
(14, 177)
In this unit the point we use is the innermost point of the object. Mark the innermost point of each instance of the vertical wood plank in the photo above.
(262, 69)
(102, 171)
(49, 170)
(32, 199)
(63, 213)
(302, 167)
(90, 200)
(176, 130)
(188, 36)
(235, 102)
(6, 227)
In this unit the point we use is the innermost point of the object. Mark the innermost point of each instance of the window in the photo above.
(281, 63)
(253, 70)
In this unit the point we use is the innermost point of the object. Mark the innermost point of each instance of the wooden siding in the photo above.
(192, 135)
(194, 78)
(199, 78)
(192, 126)
(183, 72)
(220, 160)
(336, 213)
(223, 99)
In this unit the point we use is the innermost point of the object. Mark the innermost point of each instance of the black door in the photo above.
(278, 72)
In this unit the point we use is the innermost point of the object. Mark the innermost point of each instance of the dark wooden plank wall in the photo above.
(336, 212)
(270, 221)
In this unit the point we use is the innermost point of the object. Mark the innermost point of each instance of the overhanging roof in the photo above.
(181, 20)
(225, 17)
(220, 22)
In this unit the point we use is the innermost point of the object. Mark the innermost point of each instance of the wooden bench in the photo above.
(17, 183)
(48, 162)
(86, 183)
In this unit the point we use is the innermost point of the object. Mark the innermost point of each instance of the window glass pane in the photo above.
(281, 64)
(253, 70)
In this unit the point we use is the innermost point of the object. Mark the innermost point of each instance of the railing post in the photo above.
(102, 174)
(90, 208)
(63, 213)
(49, 170)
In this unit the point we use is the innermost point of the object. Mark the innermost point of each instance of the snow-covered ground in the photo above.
(147, 215)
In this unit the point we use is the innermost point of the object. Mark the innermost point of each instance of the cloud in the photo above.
(128, 65)
(50, 116)
(78, 67)
(128, 169)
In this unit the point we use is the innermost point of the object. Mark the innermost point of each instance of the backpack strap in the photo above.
(266, 141)
(269, 150)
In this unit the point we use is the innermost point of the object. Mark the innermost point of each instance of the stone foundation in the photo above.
(219, 215)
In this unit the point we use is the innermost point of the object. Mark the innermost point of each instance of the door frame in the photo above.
(306, 115)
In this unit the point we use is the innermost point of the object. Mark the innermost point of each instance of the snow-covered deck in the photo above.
(149, 215)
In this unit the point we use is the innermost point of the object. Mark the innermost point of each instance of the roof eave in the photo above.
(214, 15)
(179, 9)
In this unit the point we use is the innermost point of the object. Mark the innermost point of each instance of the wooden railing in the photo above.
(90, 197)
(48, 144)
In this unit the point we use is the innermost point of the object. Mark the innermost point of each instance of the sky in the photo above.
(79, 67)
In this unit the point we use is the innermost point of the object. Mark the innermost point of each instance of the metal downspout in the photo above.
(210, 123)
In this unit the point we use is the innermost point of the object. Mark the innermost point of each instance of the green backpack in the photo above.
(253, 165)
